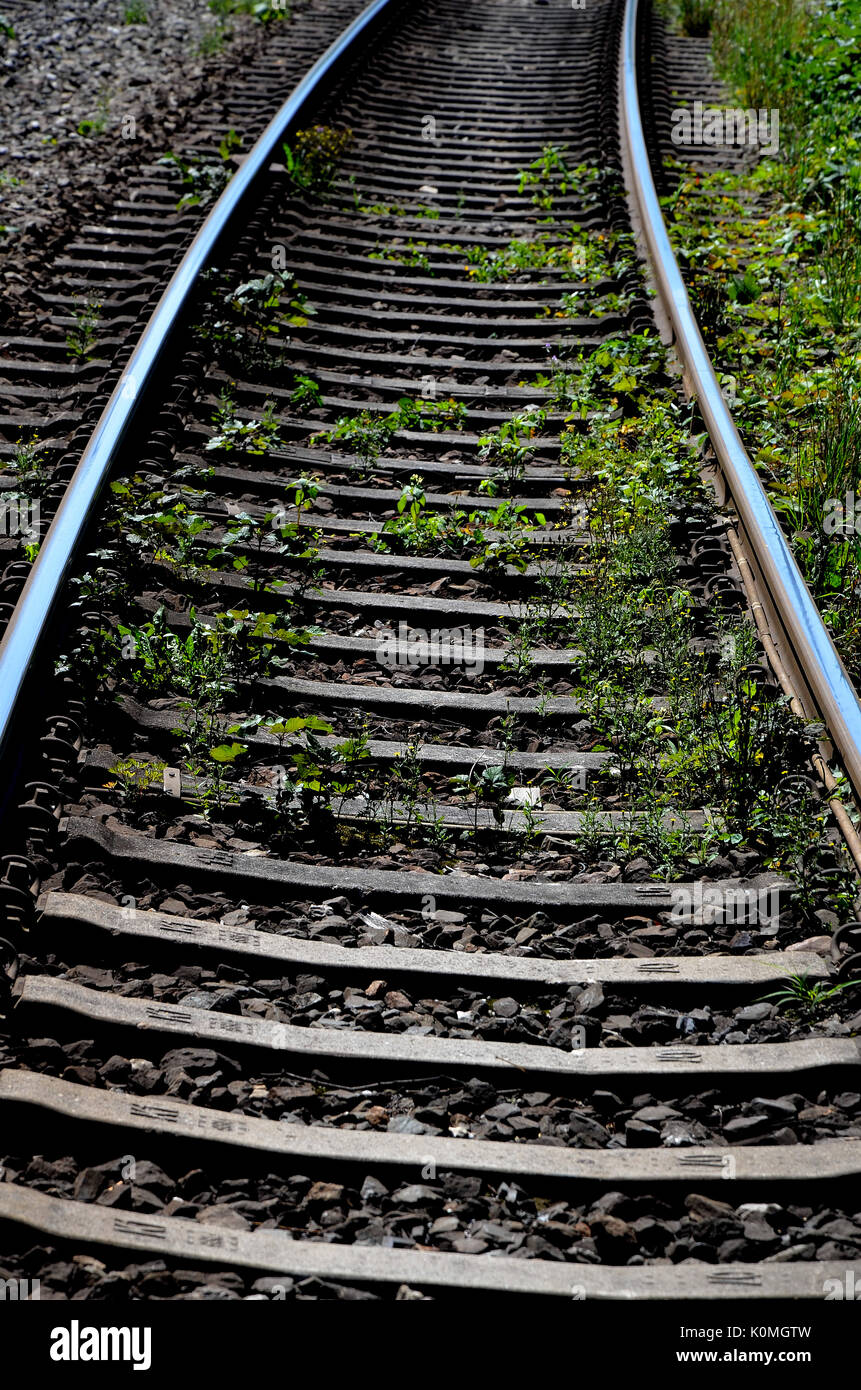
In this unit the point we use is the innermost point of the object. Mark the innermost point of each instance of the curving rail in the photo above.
(267, 1042)
(36, 604)
(831, 689)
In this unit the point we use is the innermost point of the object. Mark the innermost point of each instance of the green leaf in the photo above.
(295, 726)
(227, 752)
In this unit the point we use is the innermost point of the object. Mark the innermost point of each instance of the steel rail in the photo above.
(827, 679)
(36, 604)
(829, 683)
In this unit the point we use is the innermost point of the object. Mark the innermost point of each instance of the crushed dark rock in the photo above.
(459, 1213)
(469, 1108)
(565, 1017)
(144, 88)
(82, 1277)
(554, 934)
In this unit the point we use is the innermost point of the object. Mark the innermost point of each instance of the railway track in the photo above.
(101, 282)
(406, 822)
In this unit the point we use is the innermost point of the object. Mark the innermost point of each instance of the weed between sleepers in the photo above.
(225, 11)
(720, 740)
(82, 337)
(204, 179)
(313, 158)
(240, 322)
(20, 504)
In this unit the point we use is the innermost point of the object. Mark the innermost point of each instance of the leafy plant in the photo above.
(429, 414)
(249, 543)
(547, 176)
(798, 995)
(96, 124)
(264, 11)
(312, 160)
(204, 178)
(306, 394)
(134, 778)
(304, 490)
(508, 449)
(163, 661)
(240, 320)
(29, 463)
(82, 337)
(369, 432)
(505, 541)
(410, 252)
(487, 785)
(322, 776)
(597, 837)
(250, 436)
(518, 257)
(416, 526)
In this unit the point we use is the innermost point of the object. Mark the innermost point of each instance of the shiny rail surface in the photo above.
(835, 697)
(33, 611)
